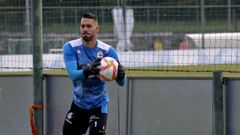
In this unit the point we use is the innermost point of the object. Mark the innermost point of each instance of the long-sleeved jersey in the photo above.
(88, 93)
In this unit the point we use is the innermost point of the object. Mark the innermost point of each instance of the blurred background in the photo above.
(127, 25)
(173, 45)
(165, 22)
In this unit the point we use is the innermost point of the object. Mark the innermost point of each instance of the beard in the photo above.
(87, 37)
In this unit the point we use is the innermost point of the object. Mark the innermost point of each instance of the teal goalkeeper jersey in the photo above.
(91, 92)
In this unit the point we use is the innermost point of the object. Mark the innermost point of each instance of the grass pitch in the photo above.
(174, 71)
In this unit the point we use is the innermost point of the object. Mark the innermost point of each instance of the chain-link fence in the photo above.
(148, 34)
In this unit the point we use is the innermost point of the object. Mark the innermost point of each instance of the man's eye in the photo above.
(88, 26)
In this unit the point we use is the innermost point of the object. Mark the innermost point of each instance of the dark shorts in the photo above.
(78, 120)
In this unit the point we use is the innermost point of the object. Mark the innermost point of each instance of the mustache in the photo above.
(85, 33)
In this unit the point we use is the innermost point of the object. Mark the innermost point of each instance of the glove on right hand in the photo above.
(91, 68)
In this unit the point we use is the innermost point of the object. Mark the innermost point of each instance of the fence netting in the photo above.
(149, 35)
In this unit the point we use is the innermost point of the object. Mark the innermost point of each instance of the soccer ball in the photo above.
(108, 69)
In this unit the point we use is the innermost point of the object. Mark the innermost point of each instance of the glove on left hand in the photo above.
(121, 72)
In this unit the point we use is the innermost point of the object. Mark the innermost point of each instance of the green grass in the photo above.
(174, 71)
(145, 27)
(177, 27)
(71, 28)
(193, 68)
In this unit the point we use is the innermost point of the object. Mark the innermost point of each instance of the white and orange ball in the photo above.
(108, 69)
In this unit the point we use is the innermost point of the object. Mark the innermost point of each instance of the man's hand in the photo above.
(91, 68)
(121, 72)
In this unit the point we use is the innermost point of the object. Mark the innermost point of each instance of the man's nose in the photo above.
(85, 28)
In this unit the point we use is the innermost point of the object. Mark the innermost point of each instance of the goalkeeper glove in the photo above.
(121, 72)
(91, 68)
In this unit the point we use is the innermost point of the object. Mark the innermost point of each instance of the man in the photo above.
(90, 98)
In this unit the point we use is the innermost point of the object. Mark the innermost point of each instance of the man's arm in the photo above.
(72, 65)
(70, 61)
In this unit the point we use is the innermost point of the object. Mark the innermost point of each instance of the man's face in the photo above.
(88, 29)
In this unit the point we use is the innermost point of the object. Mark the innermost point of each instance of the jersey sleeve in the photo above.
(112, 53)
(70, 61)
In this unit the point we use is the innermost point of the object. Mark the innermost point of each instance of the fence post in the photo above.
(37, 63)
(218, 104)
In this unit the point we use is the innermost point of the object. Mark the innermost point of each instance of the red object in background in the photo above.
(33, 127)
(183, 45)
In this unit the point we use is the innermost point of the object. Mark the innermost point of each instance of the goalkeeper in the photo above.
(90, 98)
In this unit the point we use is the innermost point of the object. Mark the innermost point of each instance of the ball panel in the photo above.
(108, 69)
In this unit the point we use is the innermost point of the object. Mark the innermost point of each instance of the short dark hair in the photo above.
(89, 15)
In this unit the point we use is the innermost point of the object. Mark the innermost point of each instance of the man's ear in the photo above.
(97, 29)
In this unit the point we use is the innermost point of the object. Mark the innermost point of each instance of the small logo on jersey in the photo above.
(100, 54)
(78, 51)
